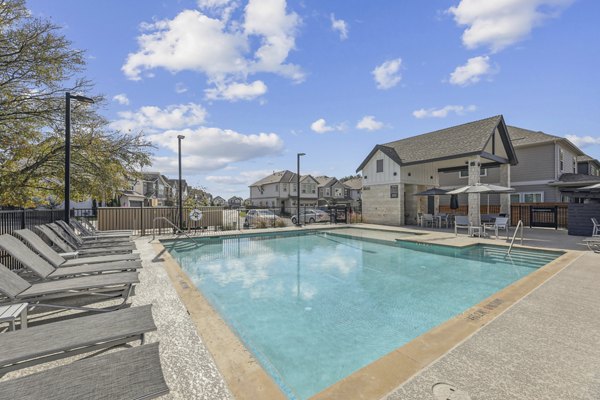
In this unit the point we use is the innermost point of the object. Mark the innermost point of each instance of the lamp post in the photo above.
(298, 189)
(68, 97)
(179, 188)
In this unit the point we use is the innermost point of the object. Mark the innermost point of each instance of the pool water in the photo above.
(314, 308)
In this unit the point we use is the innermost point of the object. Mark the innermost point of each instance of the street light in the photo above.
(298, 189)
(83, 99)
(179, 188)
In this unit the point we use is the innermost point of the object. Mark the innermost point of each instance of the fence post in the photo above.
(23, 218)
(142, 219)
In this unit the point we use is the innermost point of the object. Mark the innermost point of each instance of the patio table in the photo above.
(10, 313)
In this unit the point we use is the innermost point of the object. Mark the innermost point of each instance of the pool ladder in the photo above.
(177, 229)
(512, 241)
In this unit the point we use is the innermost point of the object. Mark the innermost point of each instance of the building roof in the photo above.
(324, 181)
(521, 137)
(354, 183)
(281, 177)
(234, 198)
(453, 142)
(575, 180)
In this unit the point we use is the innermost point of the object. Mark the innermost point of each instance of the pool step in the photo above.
(523, 257)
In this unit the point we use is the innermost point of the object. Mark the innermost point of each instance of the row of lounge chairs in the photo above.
(105, 267)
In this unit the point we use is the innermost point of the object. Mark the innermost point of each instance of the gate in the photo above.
(544, 217)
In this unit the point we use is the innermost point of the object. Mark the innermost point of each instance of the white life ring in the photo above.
(196, 215)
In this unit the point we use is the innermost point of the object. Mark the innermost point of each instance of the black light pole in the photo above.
(298, 189)
(68, 97)
(179, 188)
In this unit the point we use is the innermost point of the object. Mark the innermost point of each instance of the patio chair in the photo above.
(74, 241)
(498, 224)
(461, 222)
(596, 230)
(39, 246)
(89, 229)
(81, 240)
(443, 218)
(85, 334)
(420, 218)
(593, 244)
(18, 290)
(427, 220)
(67, 248)
(44, 270)
(131, 374)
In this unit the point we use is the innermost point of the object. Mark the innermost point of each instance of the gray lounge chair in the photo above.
(93, 231)
(18, 290)
(461, 222)
(83, 240)
(39, 246)
(78, 244)
(65, 247)
(44, 270)
(86, 334)
(132, 374)
(84, 232)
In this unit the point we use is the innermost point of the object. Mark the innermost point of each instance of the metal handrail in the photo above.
(512, 241)
(170, 223)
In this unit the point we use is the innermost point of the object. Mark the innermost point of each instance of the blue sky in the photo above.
(251, 83)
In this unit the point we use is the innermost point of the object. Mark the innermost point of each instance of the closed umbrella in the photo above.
(454, 202)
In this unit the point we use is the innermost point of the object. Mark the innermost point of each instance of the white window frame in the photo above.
(523, 194)
(561, 160)
(482, 172)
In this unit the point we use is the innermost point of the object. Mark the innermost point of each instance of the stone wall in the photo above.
(379, 208)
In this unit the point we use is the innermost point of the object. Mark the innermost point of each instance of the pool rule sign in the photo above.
(196, 215)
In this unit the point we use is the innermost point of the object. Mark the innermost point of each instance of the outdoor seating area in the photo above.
(64, 302)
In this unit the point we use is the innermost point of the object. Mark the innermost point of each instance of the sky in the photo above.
(252, 83)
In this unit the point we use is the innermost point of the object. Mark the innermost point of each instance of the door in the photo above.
(430, 205)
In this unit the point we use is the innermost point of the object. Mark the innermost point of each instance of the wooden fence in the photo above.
(518, 211)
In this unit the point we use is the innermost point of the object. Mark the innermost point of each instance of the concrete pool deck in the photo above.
(418, 380)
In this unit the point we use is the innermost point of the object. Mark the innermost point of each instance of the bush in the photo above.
(262, 224)
(279, 223)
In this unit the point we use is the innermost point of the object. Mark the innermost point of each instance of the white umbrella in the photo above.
(482, 188)
(591, 187)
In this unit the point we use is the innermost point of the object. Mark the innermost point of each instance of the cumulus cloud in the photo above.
(320, 126)
(209, 149)
(443, 112)
(225, 51)
(152, 119)
(472, 71)
(237, 91)
(500, 23)
(583, 141)
(244, 178)
(387, 75)
(121, 98)
(340, 26)
(369, 123)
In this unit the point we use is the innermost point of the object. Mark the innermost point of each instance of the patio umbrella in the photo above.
(454, 202)
(432, 192)
(483, 188)
(591, 187)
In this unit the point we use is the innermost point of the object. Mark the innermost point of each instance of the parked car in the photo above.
(256, 218)
(310, 216)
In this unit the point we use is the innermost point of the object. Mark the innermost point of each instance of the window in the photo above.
(527, 197)
(277, 188)
(285, 187)
(327, 192)
(465, 173)
(561, 160)
(338, 192)
(515, 198)
(294, 188)
(379, 166)
(574, 165)
(394, 191)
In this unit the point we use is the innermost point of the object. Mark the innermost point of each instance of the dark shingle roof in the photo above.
(324, 181)
(275, 177)
(354, 183)
(524, 137)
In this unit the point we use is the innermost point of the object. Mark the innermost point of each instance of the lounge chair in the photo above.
(132, 374)
(596, 230)
(44, 270)
(67, 248)
(39, 246)
(499, 223)
(81, 240)
(18, 290)
(79, 244)
(84, 232)
(85, 334)
(461, 222)
(91, 230)
(593, 243)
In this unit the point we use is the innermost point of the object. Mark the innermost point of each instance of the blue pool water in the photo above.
(314, 308)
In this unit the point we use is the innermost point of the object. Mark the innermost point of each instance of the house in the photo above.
(219, 201)
(587, 165)
(279, 190)
(248, 202)
(235, 202)
(151, 190)
(394, 172)
(544, 161)
(354, 189)
(331, 191)
(173, 193)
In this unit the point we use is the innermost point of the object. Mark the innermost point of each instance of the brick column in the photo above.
(505, 181)
(474, 198)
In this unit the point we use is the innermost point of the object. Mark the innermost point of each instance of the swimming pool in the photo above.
(315, 307)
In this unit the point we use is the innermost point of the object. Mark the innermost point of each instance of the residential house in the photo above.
(548, 166)
(248, 202)
(354, 189)
(173, 192)
(332, 191)
(219, 201)
(151, 190)
(394, 172)
(279, 190)
(235, 202)
(587, 165)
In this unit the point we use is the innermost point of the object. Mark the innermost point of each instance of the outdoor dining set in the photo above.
(489, 222)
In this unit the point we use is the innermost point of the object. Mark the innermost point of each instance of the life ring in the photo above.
(196, 215)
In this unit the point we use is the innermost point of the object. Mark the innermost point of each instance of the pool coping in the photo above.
(247, 379)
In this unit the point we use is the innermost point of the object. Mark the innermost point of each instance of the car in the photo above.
(310, 215)
(258, 218)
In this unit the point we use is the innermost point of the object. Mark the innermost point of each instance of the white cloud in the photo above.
(209, 149)
(498, 24)
(152, 119)
(225, 51)
(387, 75)
(244, 178)
(237, 91)
(121, 98)
(583, 141)
(472, 71)
(340, 26)
(369, 123)
(180, 88)
(443, 112)
(320, 126)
